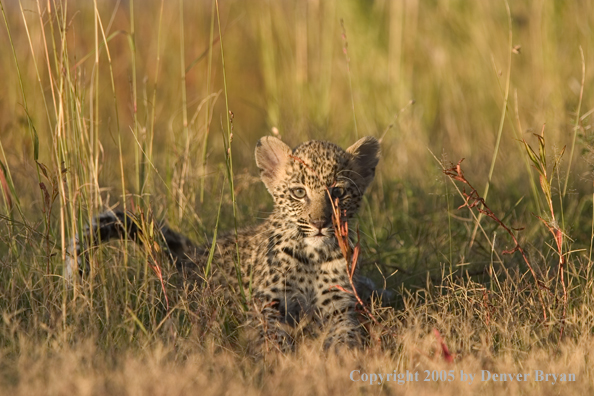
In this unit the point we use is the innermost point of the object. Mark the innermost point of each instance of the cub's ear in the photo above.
(365, 156)
(271, 157)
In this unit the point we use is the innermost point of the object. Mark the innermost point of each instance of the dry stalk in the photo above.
(153, 248)
(539, 162)
(474, 200)
(351, 255)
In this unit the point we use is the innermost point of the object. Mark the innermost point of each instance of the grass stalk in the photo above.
(345, 50)
(229, 158)
(151, 136)
(208, 117)
(31, 126)
(576, 125)
(186, 132)
(138, 158)
(501, 121)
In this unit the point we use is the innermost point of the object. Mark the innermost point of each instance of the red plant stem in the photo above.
(473, 200)
(341, 230)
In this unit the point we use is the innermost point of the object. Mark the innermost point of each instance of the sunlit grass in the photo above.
(130, 105)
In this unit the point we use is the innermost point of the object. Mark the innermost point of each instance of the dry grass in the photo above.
(127, 103)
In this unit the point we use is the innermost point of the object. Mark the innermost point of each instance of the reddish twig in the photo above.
(157, 270)
(474, 200)
(539, 162)
(152, 261)
(351, 255)
(445, 352)
(558, 236)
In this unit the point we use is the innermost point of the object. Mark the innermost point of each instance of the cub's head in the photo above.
(303, 180)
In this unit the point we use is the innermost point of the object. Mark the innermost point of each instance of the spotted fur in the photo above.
(291, 262)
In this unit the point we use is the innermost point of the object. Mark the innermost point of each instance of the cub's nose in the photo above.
(319, 223)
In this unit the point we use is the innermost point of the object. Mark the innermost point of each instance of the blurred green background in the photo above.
(425, 76)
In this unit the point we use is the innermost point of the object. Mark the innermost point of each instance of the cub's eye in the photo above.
(338, 192)
(298, 192)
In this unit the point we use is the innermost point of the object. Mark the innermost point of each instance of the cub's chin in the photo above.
(319, 241)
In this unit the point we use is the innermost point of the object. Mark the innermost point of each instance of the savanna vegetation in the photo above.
(155, 106)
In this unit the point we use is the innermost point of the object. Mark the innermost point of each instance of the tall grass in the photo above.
(132, 105)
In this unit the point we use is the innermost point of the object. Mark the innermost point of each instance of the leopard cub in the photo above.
(292, 262)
